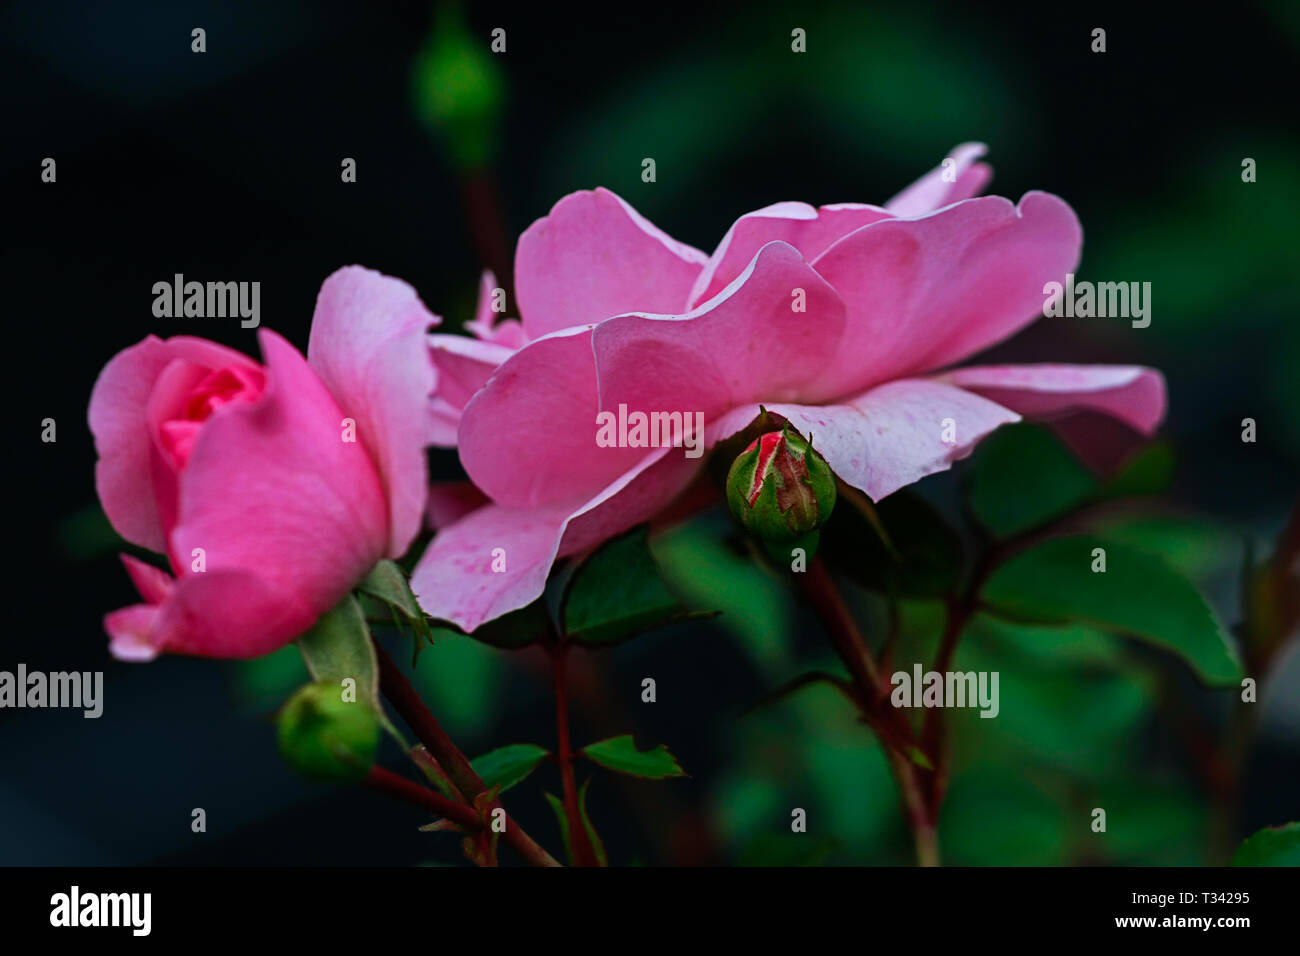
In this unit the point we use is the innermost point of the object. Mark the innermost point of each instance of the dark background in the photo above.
(225, 166)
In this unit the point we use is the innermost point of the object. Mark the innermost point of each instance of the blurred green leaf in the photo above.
(1057, 646)
(1272, 846)
(786, 849)
(621, 754)
(1072, 714)
(1148, 822)
(1194, 546)
(264, 682)
(617, 593)
(508, 765)
(698, 563)
(1149, 471)
(461, 680)
(926, 555)
(1138, 594)
(1022, 477)
(993, 817)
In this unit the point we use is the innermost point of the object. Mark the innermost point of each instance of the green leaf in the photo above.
(1194, 546)
(621, 754)
(1036, 647)
(617, 593)
(557, 805)
(508, 765)
(592, 836)
(338, 647)
(387, 582)
(1148, 472)
(1023, 477)
(1272, 846)
(1138, 594)
(1063, 703)
(995, 818)
(1150, 821)
(923, 558)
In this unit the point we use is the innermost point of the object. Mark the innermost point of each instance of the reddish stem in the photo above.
(409, 706)
(484, 210)
(583, 852)
(894, 730)
(389, 783)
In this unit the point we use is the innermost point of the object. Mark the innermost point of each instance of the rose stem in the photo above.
(583, 852)
(820, 589)
(387, 782)
(409, 706)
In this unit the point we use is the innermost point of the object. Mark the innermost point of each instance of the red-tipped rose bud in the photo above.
(780, 488)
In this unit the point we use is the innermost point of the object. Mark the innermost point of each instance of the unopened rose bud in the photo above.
(780, 488)
(324, 736)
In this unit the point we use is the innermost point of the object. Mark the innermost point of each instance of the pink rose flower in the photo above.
(272, 489)
(614, 312)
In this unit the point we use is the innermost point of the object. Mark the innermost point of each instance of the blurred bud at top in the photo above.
(458, 88)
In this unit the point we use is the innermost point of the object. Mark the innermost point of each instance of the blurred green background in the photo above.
(226, 165)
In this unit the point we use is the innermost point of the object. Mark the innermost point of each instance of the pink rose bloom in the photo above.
(615, 312)
(244, 476)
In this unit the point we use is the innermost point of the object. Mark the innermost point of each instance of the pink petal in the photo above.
(233, 614)
(744, 345)
(124, 472)
(594, 256)
(809, 230)
(131, 632)
(890, 436)
(449, 501)
(221, 614)
(932, 192)
(273, 492)
(485, 327)
(528, 437)
(464, 365)
(927, 292)
(442, 423)
(154, 584)
(368, 345)
(1129, 393)
(455, 581)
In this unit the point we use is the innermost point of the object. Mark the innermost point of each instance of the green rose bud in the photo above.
(780, 488)
(324, 736)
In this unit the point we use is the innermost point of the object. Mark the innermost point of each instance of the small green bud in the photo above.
(780, 488)
(326, 737)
